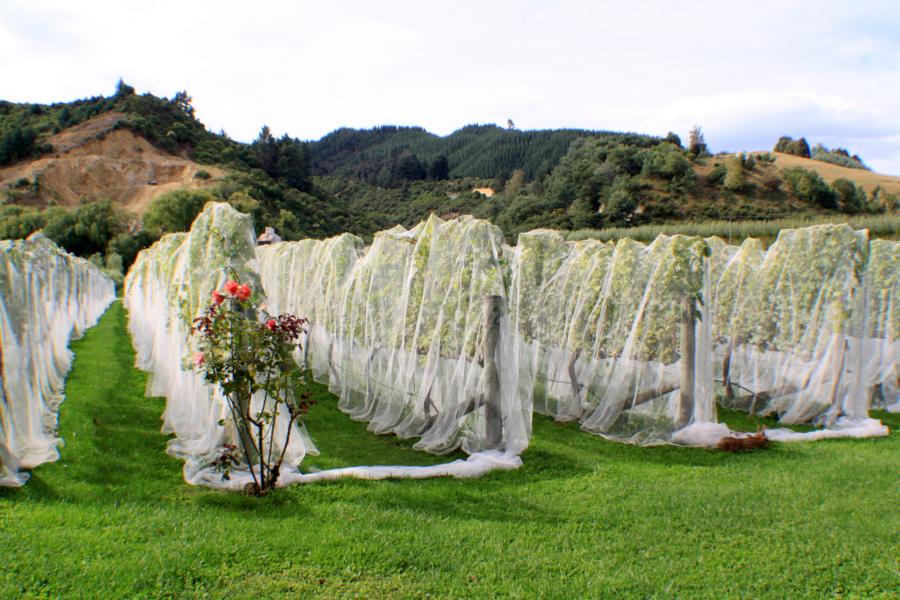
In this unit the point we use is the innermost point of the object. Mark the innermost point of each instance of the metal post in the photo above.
(688, 347)
(493, 413)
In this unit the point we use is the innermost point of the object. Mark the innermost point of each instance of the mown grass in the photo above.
(583, 518)
(885, 226)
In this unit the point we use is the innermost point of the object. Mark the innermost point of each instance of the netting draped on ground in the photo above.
(167, 287)
(47, 297)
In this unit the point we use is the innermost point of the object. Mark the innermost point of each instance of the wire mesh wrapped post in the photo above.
(688, 348)
(493, 309)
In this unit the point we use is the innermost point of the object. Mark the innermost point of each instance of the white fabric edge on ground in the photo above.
(844, 428)
(703, 434)
(709, 434)
(476, 465)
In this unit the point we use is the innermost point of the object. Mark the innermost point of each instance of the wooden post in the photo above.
(306, 348)
(334, 373)
(726, 371)
(573, 381)
(688, 347)
(493, 413)
(370, 387)
(837, 349)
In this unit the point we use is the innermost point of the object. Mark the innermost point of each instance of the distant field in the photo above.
(829, 172)
(879, 226)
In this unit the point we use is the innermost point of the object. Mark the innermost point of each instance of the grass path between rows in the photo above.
(584, 518)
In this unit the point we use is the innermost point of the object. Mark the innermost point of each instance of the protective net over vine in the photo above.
(168, 286)
(879, 358)
(612, 335)
(47, 297)
(802, 329)
(398, 330)
(444, 334)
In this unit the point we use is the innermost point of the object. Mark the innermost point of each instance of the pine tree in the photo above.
(265, 151)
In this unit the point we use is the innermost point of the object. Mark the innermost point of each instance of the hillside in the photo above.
(97, 159)
(145, 153)
(485, 151)
(867, 180)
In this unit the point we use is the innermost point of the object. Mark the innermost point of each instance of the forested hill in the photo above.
(98, 175)
(380, 154)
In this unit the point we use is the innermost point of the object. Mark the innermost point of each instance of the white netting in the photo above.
(443, 333)
(398, 329)
(601, 328)
(879, 359)
(47, 297)
(787, 341)
(167, 287)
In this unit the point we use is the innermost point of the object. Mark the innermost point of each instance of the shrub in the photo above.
(673, 138)
(17, 144)
(175, 211)
(202, 174)
(621, 200)
(850, 198)
(734, 176)
(86, 230)
(247, 358)
(807, 185)
(788, 145)
(717, 175)
(17, 222)
(838, 156)
(127, 245)
(881, 201)
(666, 161)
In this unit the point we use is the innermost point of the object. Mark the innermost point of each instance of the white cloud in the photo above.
(747, 73)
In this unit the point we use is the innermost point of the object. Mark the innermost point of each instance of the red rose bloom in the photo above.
(231, 287)
(271, 324)
(243, 292)
(217, 297)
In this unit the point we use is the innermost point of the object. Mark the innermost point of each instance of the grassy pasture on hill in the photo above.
(879, 226)
(583, 518)
(867, 180)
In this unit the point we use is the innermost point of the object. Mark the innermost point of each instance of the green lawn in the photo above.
(583, 518)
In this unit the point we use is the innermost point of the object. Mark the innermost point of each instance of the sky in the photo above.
(747, 72)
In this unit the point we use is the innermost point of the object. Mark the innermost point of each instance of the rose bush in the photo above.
(248, 354)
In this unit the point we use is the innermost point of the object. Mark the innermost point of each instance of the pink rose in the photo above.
(271, 324)
(231, 287)
(199, 359)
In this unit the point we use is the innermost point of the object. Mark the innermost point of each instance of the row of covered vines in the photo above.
(444, 334)
(47, 296)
